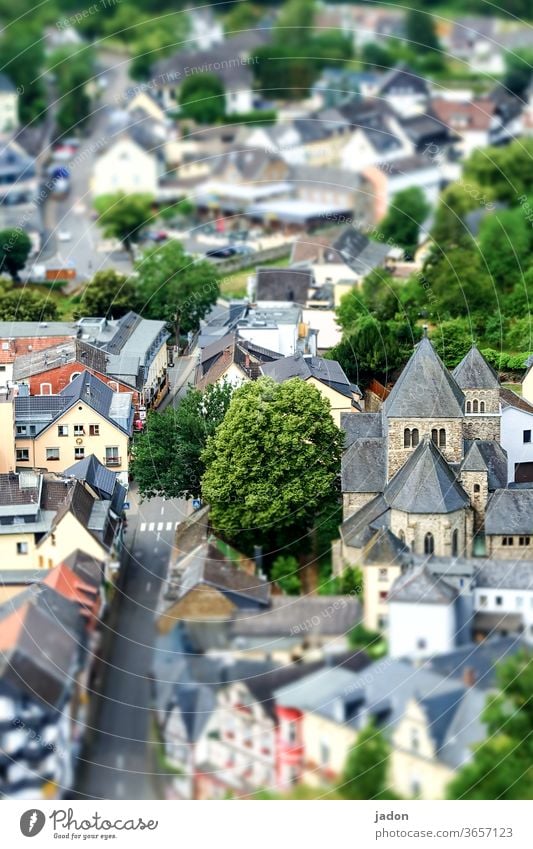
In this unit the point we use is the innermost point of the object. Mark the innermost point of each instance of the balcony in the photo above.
(113, 461)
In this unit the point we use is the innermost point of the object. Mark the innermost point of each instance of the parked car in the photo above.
(64, 236)
(243, 250)
(221, 253)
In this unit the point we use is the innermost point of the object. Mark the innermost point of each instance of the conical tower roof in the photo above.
(425, 388)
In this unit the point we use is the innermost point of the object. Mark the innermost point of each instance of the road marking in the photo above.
(176, 526)
(151, 526)
(160, 526)
(143, 527)
(119, 760)
(162, 510)
(148, 586)
(169, 526)
(120, 788)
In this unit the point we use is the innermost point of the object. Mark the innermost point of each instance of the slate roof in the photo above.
(359, 252)
(386, 547)
(425, 388)
(426, 484)
(207, 565)
(401, 78)
(440, 711)
(101, 479)
(358, 529)
(360, 426)
(479, 659)
(286, 613)
(195, 703)
(329, 372)
(364, 466)
(486, 455)
(283, 284)
(418, 586)
(474, 372)
(510, 511)
(507, 574)
(464, 728)
(509, 398)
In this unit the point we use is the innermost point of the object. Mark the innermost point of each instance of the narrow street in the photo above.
(117, 762)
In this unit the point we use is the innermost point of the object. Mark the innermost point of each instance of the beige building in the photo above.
(125, 166)
(54, 431)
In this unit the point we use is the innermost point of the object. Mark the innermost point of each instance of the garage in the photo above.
(523, 472)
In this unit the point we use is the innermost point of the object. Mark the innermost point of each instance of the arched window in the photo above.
(481, 406)
(113, 385)
(455, 543)
(429, 544)
(407, 438)
(477, 488)
(442, 438)
(435, 436)
(414, 437)
(468, 406)
(74, 375)
(46, 388)
(475, 407)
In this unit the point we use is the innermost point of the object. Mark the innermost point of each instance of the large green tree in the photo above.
(175, 287)
(407, 212)
(421, 31)
(167, 457)
(505, 244)
(73, 68)
(370, 348)
(202, 98)
(273, 463)
(15, 247)
(123, 216)
(109, 294)
(365, 771)
(502, 766)
(23, 305)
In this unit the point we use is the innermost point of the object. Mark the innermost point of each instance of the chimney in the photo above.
(258, 558)
(469, 676)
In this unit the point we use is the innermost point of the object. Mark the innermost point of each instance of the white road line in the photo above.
(143, 527)
(160, 526)
(151, 526)
(176, 526)
(169, 526)
(162, 510)
(119, 760)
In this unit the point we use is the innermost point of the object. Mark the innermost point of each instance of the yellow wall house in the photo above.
(54, 431)
(326, 375)
(44, 518)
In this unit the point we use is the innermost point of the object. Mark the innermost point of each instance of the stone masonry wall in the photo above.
(397, 454)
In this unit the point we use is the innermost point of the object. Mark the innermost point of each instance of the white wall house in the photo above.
(125, 166)
(517, 438)
(418, 629)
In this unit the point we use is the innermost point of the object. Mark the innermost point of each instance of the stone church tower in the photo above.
(481, 387)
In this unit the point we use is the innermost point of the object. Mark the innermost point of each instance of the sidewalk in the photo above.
(180, 377)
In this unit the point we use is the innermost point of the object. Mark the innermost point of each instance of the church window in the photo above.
(407, 438)
(414, 437)
(475, 407)
(468, 406)
(435, 436)
(481, 406)
(429, 544)
(477, 488)
(442, 438)
(455, 543)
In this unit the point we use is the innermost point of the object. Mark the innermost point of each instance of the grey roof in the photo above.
(364, 466)
(6, 85)
(509, 398)
(417, 585)
(283, 284)
(510, 511)
(474, 372)
(359, 252)
(91, 470)
(38, 361)
(329, 372)
(286, 614)
(486, 455)
(401, 78)
(440, 710)
(357, 529)
(22, 329)
(425, 388)
(207, 565)
(20, 493)
(479, 659)
(507, 574)
(354, 698)
(386, 547)
(224, 58)
(195, 703)
(426, 484)
(465, 729)
(360, 426)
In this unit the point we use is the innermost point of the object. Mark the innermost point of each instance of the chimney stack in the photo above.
(469, 676)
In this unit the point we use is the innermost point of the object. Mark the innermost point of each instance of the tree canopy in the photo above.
(273, 462)
(109, 294)
(123, 216)
(202, 98)
(15, 247)
(502, 765)
(407, 212)
(365, 771)
(25, 305)
(171, 282)
(167, 457)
